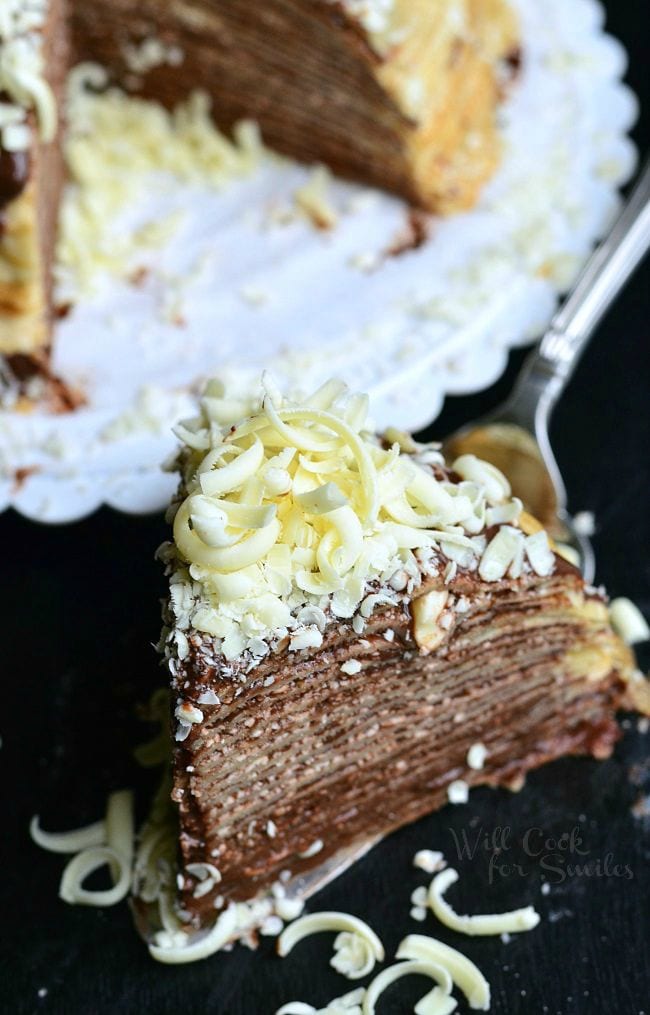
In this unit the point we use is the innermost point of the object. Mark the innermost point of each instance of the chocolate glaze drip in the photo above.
(14, 173)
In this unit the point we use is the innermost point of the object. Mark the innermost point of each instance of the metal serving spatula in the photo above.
(514, 437)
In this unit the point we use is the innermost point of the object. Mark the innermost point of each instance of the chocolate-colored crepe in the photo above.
(530, 668)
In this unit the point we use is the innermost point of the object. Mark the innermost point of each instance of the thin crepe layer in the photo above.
(531, 669)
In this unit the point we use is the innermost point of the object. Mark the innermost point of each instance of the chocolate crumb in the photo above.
(22, 474)
(414, 235)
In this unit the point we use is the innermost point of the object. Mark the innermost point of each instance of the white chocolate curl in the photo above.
(436, 1002)
(294, 505)
(462, 970)
(486, 924)
(357, 946)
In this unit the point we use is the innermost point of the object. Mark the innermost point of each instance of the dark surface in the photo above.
(79, 613)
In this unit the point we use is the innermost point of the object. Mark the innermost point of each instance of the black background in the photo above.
(79, 608)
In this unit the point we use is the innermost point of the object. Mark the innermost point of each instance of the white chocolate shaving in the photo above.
(113, 142)
(117, 854)
(294, 515)
(357, 946)
(628, 621)
(539, 553)
(490, 924)
(495, 484)
(322, 500)
(68, 842)
(426, 616)
(438, 1001)
(312, 850)
(351, 666)
(354, 956)
(178, 949)
(429, 860)
(463, 972)
(501, 552)
(207, 875)
(87, 862)
(104, 843)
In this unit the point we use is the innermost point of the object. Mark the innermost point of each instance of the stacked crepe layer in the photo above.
(405, 101)
(30, 186)
(342, 745)
(410, 108)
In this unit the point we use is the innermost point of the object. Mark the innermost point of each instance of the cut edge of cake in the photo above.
(35, 56)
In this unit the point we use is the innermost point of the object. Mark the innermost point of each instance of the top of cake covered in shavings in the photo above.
(292, 514)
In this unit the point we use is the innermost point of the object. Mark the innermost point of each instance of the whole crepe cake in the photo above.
(402, 94)
(356, 632)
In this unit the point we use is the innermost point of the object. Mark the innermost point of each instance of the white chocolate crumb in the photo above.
(208, 698)
(450, 572)
(358, 624)
(186, 712)
(628, 621)
(419, 896)
(272, 926)
(271, 829)
(458, 792)
(289, 909)
(584, 522)
(312, 850)
(429, 860)
(350, 667)
(476, 756)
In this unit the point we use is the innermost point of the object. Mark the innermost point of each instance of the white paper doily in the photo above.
(407, 329)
